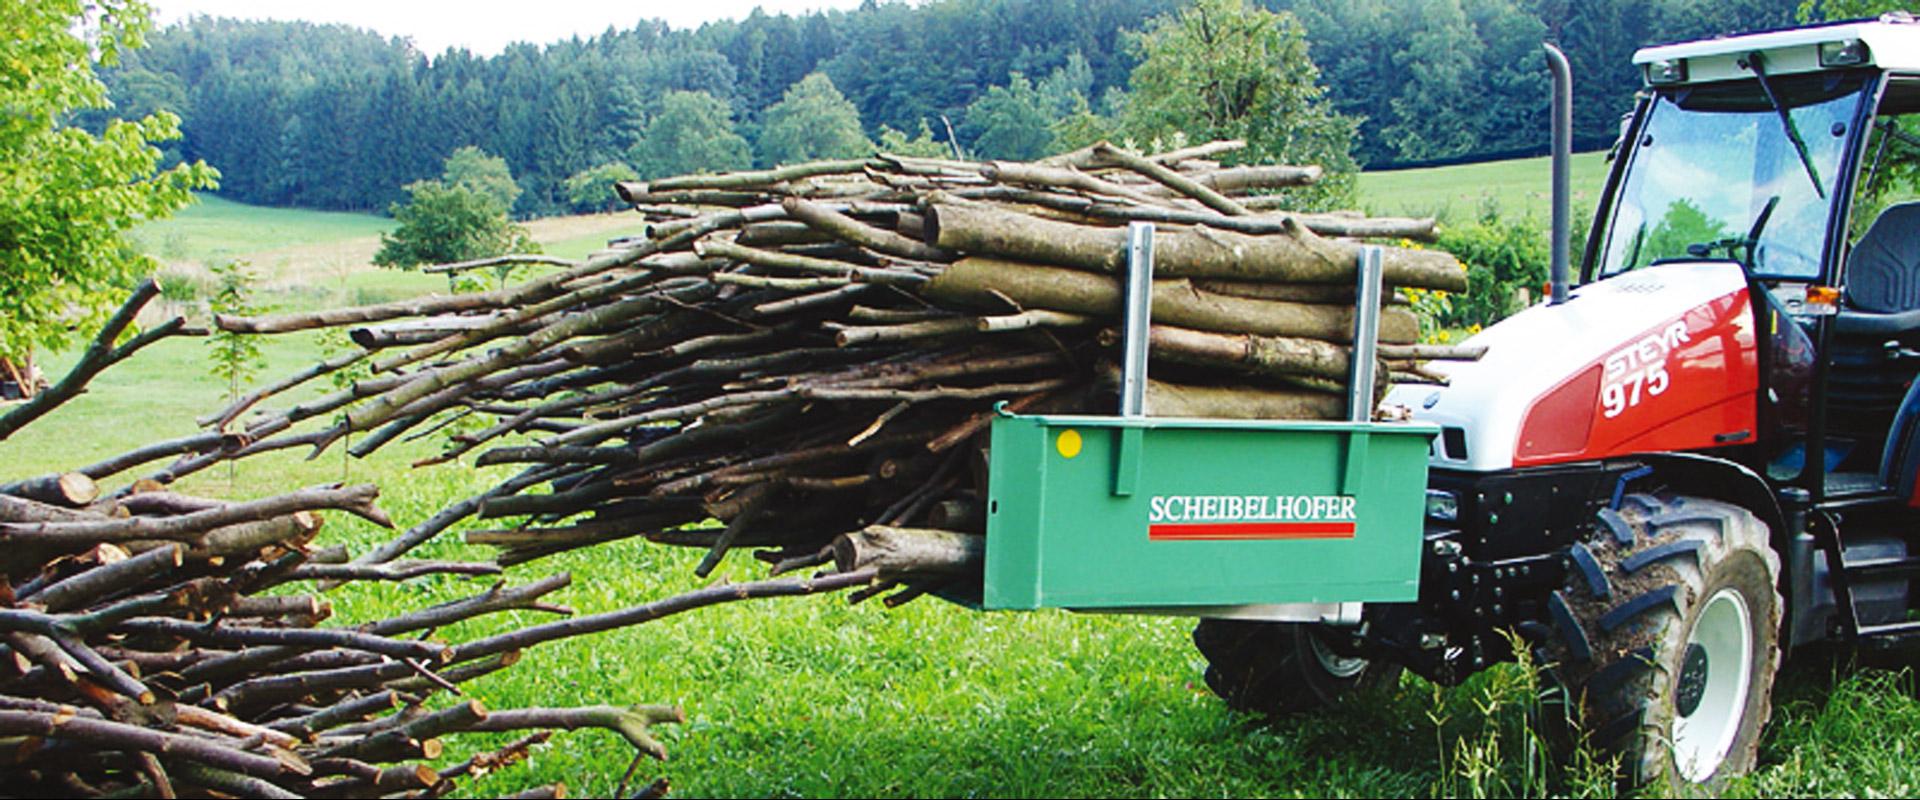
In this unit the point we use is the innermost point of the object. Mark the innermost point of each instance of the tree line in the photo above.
(328, 116)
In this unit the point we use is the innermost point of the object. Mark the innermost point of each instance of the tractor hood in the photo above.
(1659, 359)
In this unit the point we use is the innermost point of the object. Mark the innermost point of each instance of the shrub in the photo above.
(1506, 268)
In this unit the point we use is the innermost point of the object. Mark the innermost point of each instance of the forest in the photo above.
(332, 117)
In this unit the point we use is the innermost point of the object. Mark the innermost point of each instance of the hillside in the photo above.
(1517, 187)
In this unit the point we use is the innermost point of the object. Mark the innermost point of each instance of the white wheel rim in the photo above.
(1339, 666)
(1702, 739)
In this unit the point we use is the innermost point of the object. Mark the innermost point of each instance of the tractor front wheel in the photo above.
(1668, 639)
(1279, 668)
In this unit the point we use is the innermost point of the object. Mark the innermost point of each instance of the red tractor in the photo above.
(1702, 457)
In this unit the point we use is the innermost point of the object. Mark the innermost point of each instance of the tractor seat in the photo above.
(1880, 319)
(1883, 277)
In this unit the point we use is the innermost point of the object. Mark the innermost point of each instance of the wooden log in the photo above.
(229, 783)
(398, 570)
(849, 335)
(357, 500)
(626, 617)
(329, 318)
(1083, 209)
(70, 489)
(212, 441)
(848, 229)
(777, 234)
(247, 538)
(631, 722)
(290, 605)
(1298, 255)
(509, 260)
(421, 331)
(394, 403)
(743, 180)
(1421, 229)
(1085, 157)
(1292, 292)
(1166, 399)
(86, 587)
(1435, 352)
(98, 356)
(988, 283)
(1062, 178)
(1196, 189)
(164, 504)
(1028, 320)
(21, 510)
(910, 552)
(341, 713)
(1236, 180)
(398, 742)
(1250, 353)
(774, 259)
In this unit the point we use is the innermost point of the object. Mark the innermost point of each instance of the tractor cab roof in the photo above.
(1891, 42)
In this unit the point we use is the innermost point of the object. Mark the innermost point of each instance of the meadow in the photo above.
(814, 697)
(1514, 188)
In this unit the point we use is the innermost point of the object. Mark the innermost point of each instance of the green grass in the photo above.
(215, 229)
(811, 697)
(1517, 187)
(807, 697)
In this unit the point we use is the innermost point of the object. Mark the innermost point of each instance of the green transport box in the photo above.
(1089, 512)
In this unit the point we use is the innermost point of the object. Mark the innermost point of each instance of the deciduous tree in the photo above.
(812, 121)
(1226, 69)
(460, 217)
(67, 195)
(472, 168)
(692, 132)
(1011, 122)
(592, 188)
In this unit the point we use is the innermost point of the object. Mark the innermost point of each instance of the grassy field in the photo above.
(322, 258)
(1518, 187)
(812, 697)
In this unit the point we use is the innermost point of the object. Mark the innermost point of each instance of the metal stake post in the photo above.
(1133, 363)
(1366, 333)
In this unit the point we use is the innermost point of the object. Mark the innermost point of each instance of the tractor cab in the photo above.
(1793, 155)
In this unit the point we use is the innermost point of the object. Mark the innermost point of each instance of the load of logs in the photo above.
(804, 361)
(158, 644)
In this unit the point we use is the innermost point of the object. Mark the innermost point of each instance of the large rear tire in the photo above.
(1280, 668)
(1668, 640)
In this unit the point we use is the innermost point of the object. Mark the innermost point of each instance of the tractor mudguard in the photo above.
(1717, 478)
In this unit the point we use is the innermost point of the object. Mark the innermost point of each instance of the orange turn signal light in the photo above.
(1823, 295)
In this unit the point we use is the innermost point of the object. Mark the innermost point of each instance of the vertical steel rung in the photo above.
(1133, 363)
(1366, 333)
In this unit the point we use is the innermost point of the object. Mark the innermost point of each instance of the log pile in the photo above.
(792, 356)
(144, 651)
(158, 644)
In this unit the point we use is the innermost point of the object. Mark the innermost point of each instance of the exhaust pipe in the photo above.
(1558, 268)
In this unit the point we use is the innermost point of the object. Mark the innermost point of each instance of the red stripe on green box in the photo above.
(1219, 531)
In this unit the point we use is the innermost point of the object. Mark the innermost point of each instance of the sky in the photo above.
(435, 25)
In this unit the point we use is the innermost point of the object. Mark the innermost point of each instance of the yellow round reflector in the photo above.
(1068, 444)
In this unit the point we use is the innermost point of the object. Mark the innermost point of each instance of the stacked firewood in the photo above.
(148, 653)
(159, 644)
(804, 361)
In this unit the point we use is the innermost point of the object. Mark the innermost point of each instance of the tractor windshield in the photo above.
(1720, 172)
